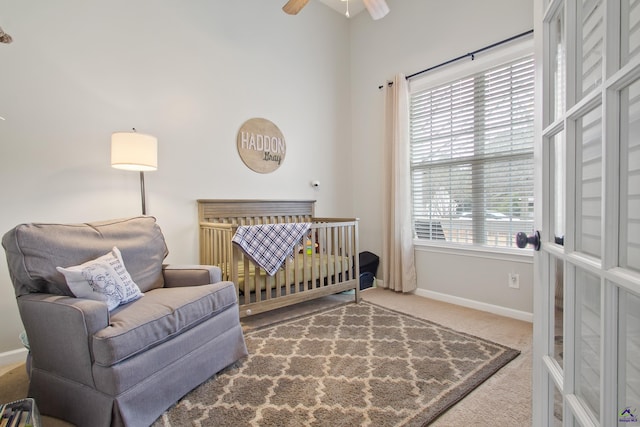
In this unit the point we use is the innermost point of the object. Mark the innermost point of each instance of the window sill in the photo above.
(504, 254)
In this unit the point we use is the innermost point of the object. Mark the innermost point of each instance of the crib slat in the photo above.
(306, 278)
(316, 257)
(278, 280)
(330, 249)
(339, 258)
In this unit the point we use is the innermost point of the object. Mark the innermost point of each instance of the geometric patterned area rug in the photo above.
(354, 365)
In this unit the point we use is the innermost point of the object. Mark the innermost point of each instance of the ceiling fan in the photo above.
(4, 37)
(377, 8)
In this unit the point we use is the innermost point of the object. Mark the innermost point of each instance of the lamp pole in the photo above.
(142, 192)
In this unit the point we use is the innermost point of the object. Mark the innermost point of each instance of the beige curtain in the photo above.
(398, 261)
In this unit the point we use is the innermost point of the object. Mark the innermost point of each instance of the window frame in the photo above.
(450, 73)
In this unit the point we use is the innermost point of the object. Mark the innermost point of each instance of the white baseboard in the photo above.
(476, 305)
(13, 356)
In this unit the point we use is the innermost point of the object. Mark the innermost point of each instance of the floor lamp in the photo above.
(135, 152)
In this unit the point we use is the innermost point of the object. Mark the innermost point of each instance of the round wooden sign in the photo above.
(261, 145)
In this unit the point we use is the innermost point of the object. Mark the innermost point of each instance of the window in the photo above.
(472, 156)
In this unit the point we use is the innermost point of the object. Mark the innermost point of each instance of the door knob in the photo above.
(522, 240)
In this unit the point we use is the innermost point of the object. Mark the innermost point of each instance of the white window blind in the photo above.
(472, 157)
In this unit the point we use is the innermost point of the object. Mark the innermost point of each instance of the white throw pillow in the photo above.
(102, 279)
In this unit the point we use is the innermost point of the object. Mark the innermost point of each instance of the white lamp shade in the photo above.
(377, 8)
(134, 151)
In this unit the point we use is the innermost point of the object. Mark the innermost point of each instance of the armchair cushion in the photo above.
(158, 317)
(35, 250)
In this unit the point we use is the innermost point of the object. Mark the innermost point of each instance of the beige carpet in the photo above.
(504, 399)
(352, 365)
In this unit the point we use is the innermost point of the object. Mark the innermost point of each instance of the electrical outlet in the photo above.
(514, 280)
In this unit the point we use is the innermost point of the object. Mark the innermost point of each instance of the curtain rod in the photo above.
(470, 54)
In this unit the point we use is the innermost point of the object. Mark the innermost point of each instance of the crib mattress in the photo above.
(302, 268)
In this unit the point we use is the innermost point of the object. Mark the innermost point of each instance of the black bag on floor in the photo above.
(366, 280)
(368, 268)
(369, 262)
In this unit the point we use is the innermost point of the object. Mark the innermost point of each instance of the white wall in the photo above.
(189, 73)
(415, 35)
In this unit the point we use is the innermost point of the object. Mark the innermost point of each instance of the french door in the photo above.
(587, 271)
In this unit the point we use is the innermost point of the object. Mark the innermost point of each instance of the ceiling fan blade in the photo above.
(4, 37)
(377, 8)
(294, 6)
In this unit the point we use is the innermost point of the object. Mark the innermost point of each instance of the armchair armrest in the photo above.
(190, 275)
(60, 329)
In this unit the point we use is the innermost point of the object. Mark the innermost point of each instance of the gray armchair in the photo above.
(124, 367)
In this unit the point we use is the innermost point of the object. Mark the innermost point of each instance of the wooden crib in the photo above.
(325, 262)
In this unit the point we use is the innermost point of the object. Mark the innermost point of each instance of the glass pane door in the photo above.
(630, 177)
(558, 66)
(629, 359)
(587, 341)
(590, 45)
(630, 30)
(587, 282)
(589, 182)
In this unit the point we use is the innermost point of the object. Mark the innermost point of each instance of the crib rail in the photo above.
(324, 262)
